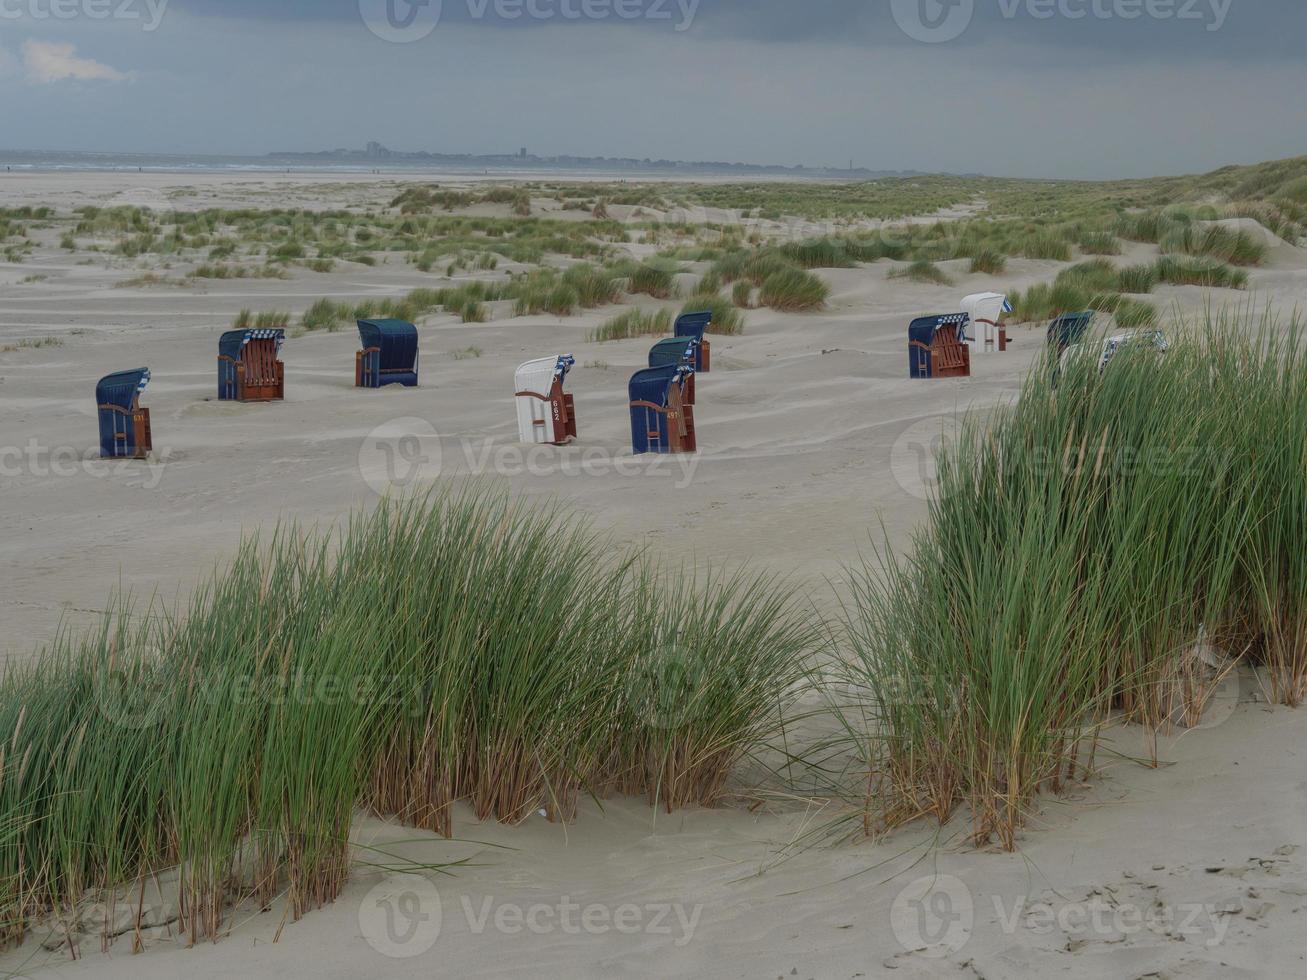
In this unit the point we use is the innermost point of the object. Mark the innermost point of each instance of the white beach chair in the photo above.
(985, 332)
(545, 413)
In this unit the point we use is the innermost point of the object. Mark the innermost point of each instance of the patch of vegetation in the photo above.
(634, 323)
(922, 271)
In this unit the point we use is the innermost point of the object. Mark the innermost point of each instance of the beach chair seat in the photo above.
(684, 351)
(986, 332)
(546, 414)
(937, 347)
(1069, 329)
(125, 431)
(696, 325)
(250, 367)
(389, 355)
(662, 420)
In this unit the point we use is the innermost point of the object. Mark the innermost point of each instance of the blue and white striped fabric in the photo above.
(144, 382)
(262, 334)
(1007, 306)
(565, 364)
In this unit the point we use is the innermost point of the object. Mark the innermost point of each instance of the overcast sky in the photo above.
(1055, 88)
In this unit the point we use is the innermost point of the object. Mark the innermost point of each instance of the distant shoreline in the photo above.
(505, 167)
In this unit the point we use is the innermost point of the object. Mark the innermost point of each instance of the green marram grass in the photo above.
(1083, 546)
(456, 649)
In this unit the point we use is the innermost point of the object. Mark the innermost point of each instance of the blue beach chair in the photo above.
(124, 425)
(389, 355)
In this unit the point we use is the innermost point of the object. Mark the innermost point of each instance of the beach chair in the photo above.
(389, 355)
(696, 325)
(1069, 329)
(545, 413)
(986, 333)
(1154, 340)
(250, 367)
(124, 425)
(937, 347)
(662, 421)
(681, 351)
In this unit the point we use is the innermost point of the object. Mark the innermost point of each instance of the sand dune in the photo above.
(808, 431)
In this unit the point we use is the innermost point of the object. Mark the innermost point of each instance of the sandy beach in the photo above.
(812, 440)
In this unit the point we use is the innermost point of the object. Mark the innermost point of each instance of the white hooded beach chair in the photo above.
(986, 333)
(545, 413)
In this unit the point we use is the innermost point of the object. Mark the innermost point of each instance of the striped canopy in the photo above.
(232, 342)
(655, 384)
(122, 389)
(923, 328)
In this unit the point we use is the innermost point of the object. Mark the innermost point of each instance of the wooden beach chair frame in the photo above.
(546, 414)
(250, 367)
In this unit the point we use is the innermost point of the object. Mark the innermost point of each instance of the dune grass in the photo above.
(793, 291)
(652, 279)
(922, 270)
(634, 323)
(727, 320)
(1100, 243)
(266, 320)
(988, 261)
(411, 661)
(1078, 550)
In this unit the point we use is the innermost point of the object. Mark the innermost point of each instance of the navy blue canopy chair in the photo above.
(249, 366)
(124, 425)
(937, 347)
(679, 351)
(1069, 329)
(696, 325)
(662, 420)
(389, 355)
